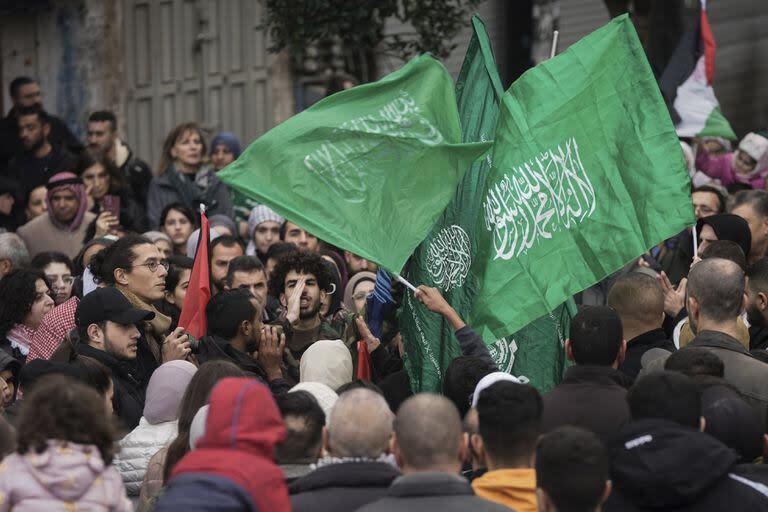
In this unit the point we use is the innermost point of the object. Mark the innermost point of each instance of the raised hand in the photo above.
(294, 300)
(176, 345)
(371, 341)
(674, 298)
(270, 353)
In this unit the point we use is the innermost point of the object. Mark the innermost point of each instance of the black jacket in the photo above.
(10, 142)
(214, 347)
(130, 391)
(758, 338)
(432, 492)
(132, 215)
(30, 172)
(342, 487)
(638, 346)
(591, 397)
(677, 261)
(660, 465)
(139, 175)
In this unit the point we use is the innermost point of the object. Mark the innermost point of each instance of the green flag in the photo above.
(445, 258)
(588, 174)
(369, 169)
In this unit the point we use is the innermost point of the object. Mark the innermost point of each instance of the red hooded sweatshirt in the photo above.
(241, 431)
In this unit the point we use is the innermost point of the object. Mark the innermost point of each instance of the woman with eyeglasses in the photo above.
(135, 266)
(59, 271)
(359, 287)
(30, 299)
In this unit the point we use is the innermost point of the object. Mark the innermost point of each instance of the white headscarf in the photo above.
(324, 395)
(328, 362)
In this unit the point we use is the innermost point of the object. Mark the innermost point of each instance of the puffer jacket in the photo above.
(66, 476)
(138, 447)
(159, 425)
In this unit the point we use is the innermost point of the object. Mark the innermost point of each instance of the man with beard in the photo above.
(752, 206)
(235, 333)
(298, 281)
(24, 93)
(107, 324)
(757, 305)
(40, 157)
(247, 272)
(103, 139)
(716, 298)
(223, 250)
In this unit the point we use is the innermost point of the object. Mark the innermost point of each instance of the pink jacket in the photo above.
(720, 167)
(67, 476)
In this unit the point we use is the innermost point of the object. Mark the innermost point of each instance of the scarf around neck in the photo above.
(156, 329)
(20, 337)
(193, 192)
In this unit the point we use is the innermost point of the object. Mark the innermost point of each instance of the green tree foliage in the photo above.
(359, 26)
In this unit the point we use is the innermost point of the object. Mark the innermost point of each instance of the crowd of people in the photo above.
(292, 401)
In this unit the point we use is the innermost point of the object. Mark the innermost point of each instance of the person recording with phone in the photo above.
(110, 198)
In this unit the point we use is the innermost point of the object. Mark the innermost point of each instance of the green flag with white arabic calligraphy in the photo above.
(588, 175)
(369, 169)
(447, 257)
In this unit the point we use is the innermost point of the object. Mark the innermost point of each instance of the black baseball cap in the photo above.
(108, 303)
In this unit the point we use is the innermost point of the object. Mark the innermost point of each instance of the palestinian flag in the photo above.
(687, 85)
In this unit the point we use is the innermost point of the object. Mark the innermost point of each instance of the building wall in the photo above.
(65, 48)
(493, 13)
(155, 63)
(741, 71)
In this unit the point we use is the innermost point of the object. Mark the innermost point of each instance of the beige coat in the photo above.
(41, 235)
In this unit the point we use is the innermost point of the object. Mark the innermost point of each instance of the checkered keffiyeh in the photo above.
(55, 326)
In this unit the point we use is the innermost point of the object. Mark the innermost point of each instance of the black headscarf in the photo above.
(729, 227)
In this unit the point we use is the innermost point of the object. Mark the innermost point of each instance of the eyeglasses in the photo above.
(153, 264)
(67, 280)
(361, 295)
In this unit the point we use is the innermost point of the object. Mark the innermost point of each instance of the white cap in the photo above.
(489, 380)
(754, 145)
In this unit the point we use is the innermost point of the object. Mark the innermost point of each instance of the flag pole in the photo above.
(695, 242)
(404, 281)
(555, 37)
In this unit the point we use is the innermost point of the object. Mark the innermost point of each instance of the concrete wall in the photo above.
(71, 50)
(741, 71)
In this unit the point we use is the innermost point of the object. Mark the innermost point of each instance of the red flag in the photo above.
(709, 44)
(192, 317)
(363, 362)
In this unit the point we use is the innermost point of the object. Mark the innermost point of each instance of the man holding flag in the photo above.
(586, 174)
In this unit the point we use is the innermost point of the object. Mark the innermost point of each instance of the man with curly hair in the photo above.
(299, 281)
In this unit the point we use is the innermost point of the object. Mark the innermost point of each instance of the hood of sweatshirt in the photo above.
(660, 464)
(66, 470)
